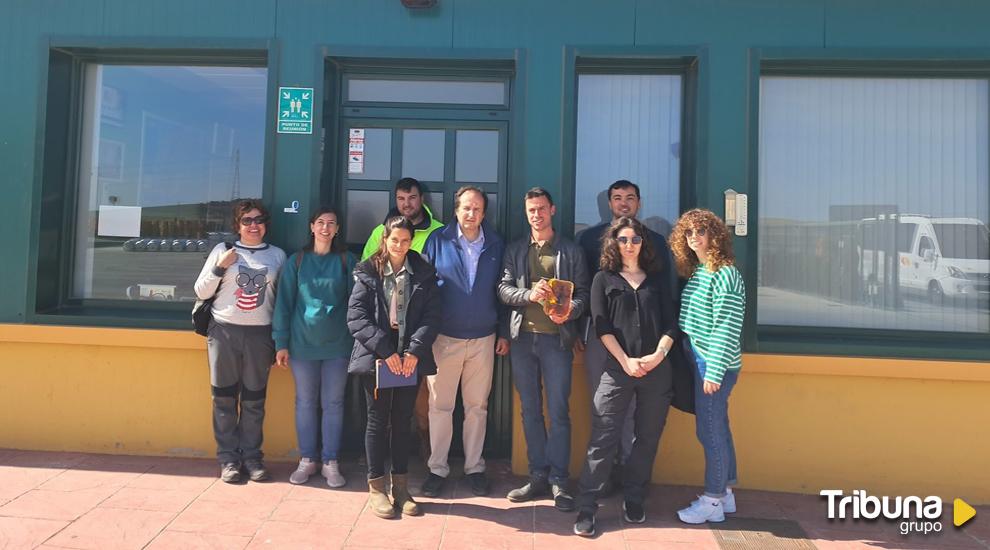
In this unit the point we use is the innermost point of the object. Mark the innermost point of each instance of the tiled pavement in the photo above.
(71, 500)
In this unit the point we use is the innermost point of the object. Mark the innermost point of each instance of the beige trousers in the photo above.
(470, 364)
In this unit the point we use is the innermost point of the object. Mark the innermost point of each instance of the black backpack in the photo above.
(202, 312)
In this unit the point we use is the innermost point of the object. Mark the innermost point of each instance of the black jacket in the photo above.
(514, 289)
(367, 317)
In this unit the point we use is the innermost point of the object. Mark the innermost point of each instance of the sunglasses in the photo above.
(636, 239)
(260, 220)
(701, 232)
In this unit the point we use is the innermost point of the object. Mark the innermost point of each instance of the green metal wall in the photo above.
(725, 30)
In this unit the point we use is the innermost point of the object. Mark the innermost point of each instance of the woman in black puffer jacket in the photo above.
(394, 315)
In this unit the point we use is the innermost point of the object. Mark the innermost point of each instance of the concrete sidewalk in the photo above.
(74, 500)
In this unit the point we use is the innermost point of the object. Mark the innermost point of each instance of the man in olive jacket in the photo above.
(541, 349)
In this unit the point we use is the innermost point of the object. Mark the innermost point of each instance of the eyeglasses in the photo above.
(701, 232)
(243, 279)
(260, 220)
(636, 239)
(325, 223)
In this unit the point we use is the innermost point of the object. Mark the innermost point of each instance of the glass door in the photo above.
(442, 154)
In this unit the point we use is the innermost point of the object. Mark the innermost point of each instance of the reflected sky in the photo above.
(189, 134)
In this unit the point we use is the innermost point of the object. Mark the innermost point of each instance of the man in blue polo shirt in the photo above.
(467, 255)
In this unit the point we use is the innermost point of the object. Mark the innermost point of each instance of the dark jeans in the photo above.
(388, 430)
(653, 393)
(538, 361)
(240, 357)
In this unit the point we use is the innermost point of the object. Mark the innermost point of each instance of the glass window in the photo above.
(377, 155)
(905, 236)
(434, 200)
(628, 127)
(164, 152)
(365, 211)
(477, 156)
(422, 154)
(873, 203)
(460, 92)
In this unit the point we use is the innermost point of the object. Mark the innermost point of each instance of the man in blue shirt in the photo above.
(467, 255)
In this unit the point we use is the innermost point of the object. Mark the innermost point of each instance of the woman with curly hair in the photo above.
(712, 310)
(634, 316)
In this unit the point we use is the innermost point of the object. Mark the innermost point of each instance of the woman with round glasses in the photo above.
(633, 315)
(241, 280)
(712, 311)
(311, 336)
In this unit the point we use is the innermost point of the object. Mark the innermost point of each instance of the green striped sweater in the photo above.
(712, 310)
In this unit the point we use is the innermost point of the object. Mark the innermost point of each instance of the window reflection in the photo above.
(874, 203)
(628, 127)
(164, 152)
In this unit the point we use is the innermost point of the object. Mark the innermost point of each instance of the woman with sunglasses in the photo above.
(633, 315)
(311, 336)
(394, 315)
(712, 311)
(241, 280)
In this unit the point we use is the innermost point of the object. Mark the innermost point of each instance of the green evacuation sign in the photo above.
(295, 110)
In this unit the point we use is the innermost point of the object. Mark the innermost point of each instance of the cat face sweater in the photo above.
(245, 291)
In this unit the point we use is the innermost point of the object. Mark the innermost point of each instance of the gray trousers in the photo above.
(240, 359)
(595, 359)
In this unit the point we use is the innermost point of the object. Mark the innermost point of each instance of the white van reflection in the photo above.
(937, 258)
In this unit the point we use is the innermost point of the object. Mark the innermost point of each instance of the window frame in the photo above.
(836, 341)
(368, 73)
(690, 63)
(53, 227)
(337, 64)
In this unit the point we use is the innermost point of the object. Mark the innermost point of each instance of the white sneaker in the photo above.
(331, 471)
(306, 468)
(728, 502)
(702, 510)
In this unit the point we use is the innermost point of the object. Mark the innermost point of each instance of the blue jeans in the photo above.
(538, 361)
(712, 428)
(319, 385)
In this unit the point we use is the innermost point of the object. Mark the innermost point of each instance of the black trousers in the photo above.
(653, 394)
(388, 432)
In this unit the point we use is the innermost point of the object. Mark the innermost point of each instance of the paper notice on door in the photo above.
(119, 221)
(355, 151)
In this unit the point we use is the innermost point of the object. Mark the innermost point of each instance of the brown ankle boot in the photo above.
(378, 500)
(400, 496)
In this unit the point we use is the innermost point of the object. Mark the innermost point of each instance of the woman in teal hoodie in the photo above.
(311, 337)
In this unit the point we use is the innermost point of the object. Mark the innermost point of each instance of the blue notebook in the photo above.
(385, 378)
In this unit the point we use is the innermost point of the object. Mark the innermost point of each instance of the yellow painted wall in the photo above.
(122, 391)
(801, 424)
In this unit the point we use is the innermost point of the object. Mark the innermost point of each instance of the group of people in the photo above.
(434, 304)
